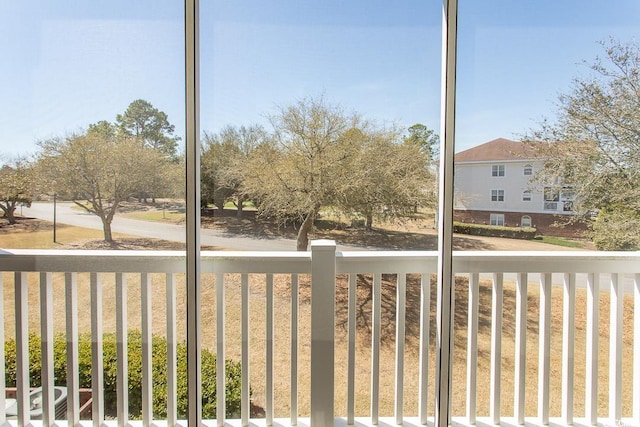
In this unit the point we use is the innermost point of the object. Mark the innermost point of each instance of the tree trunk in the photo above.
(106, 226)
(369, 221)
(240, 206)
(9, 214)
(302, 241)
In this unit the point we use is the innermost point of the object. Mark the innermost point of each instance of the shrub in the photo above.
(134, 348)
(525, 233)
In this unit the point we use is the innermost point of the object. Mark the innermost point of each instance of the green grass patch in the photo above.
(559, 241)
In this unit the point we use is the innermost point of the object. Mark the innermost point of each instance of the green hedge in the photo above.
(525, 233)
(159, 352)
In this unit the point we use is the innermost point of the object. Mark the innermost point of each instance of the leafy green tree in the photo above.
(426, 139)
(142, 121)
(150, 125)
(98, 169)
(593, 146)
(18, 185)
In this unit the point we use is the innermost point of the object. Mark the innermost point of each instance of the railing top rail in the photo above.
(546, 262)
(37, 260)
(53, 260)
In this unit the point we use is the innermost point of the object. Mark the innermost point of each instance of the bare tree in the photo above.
(97, 169)
(593, 147)
(18, 185)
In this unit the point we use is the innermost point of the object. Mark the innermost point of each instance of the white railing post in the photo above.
(46, 331)
(568, 346)
(2, 355)
(97, 364)
(425, 317)
(472, 346)
(323, 282)
(544, 348)
(592, 356)
(122, 348)
(147, 349)
(73, 381)
(521, 348)
(172, 355)
(220, 351)
(22, 347)
(636, 349)
(376, 324)
(616, 308)
(496, 347)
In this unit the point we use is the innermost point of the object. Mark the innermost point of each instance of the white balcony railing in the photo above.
(78, 280)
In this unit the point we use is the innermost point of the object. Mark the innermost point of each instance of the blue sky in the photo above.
(72, 63)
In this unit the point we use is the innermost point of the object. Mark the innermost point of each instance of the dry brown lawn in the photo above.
(363, 346)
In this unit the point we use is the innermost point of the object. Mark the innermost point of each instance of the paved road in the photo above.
(160, 230)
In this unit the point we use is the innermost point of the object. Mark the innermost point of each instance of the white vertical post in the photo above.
(220, 350)
(351, 351)
(615, 348)
(323, 270)
(425, 317)
(172, 356)
(295, 302)
(269, 353)
(444, 342)
(46, 329)
(496, 347)
(520, 347)
(472, 347)
(592, 356)
(147, 349)
(73, 381)
(544, 350)
(245, 401)
(3, 356)
(22, 347)
(122, 349)
(636, 349)
(568, 346)
(401, 295)
(97, 371)
(376, 314)
(192, 155)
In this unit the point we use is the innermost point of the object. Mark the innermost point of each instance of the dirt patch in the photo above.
(24, 225)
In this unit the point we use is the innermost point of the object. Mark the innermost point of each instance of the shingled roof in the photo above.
(498, 149)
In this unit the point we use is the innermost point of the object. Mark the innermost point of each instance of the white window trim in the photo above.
(498, 191)
(499, 219)
(496, 169)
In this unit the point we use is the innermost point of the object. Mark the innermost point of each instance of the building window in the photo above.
(551, 198)
(528, 170)
(497, 195)
(497, 170)
(496, 219)
(525, 221)
(526, 196)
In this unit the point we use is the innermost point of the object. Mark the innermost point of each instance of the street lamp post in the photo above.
(55, 195)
